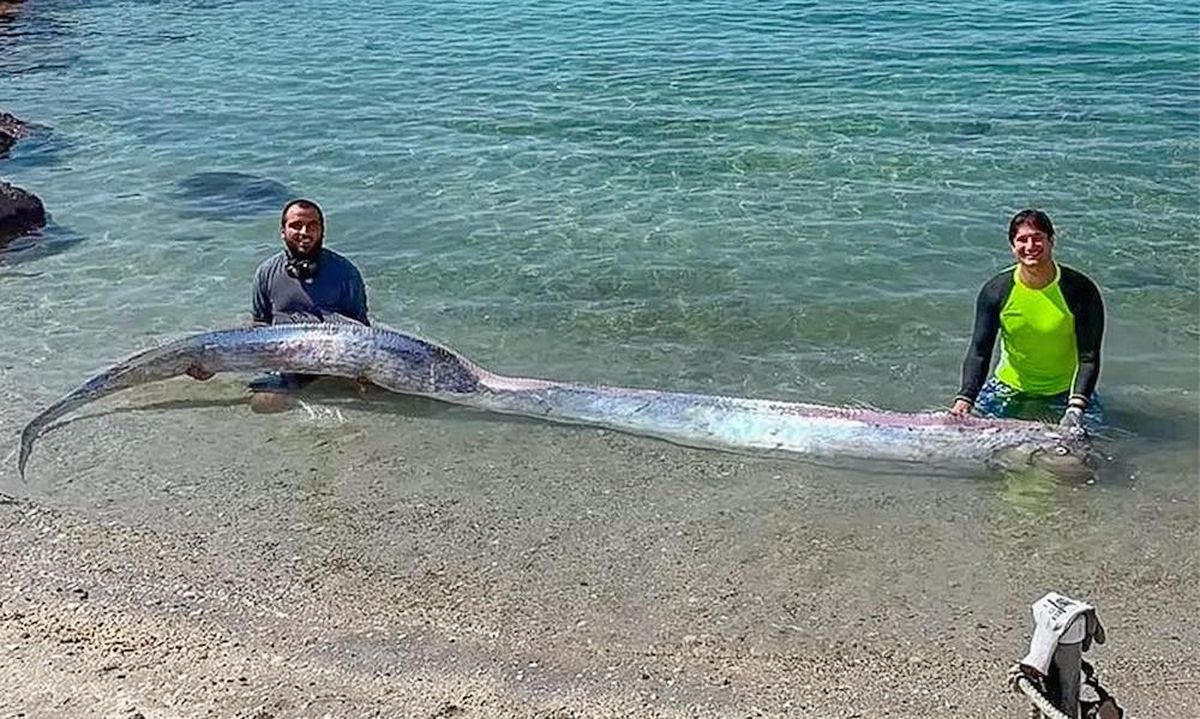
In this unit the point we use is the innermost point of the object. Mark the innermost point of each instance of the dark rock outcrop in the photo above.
(20, 213)
(11, 130)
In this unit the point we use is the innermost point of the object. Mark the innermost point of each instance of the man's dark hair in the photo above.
(1035, 218)
(306, 205)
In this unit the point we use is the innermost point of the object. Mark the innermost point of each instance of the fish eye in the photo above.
(1061, 450)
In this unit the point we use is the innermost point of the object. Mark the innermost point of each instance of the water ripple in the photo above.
(779, 198)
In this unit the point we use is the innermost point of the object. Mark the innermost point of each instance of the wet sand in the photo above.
(190, 559)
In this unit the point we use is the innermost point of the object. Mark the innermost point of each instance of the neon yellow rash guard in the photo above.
(1038, 353)
(1049, 337)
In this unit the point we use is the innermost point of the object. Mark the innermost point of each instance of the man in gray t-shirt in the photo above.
(304, 282)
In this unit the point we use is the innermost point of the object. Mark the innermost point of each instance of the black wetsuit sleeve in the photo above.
(978, 361)
(1083, 299)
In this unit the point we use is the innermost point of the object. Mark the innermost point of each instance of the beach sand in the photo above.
(174, 555)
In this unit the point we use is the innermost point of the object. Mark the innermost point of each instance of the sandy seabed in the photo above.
(174, 555)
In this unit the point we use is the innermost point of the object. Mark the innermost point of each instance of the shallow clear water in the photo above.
(772, 200)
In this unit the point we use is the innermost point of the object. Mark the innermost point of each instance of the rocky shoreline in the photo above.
(21, 212)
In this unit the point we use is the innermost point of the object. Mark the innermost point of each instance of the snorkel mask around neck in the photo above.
(302, 267)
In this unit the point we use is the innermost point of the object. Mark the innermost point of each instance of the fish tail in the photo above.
(118, 377)
(97, 386)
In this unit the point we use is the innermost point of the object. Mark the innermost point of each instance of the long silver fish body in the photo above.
(410, 365)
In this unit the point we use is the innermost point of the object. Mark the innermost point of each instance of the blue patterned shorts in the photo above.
(997, 399)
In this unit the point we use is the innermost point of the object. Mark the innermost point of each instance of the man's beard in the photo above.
(297, 253)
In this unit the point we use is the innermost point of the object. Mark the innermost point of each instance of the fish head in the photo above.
(1066, 454)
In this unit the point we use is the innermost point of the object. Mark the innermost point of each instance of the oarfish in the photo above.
(411, 365)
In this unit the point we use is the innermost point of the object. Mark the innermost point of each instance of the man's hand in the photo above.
(961, 407)
(1072, 421)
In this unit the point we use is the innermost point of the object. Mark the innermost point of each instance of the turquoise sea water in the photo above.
(769, 199)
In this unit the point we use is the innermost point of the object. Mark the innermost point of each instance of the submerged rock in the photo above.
(21, 213)
(231, 195)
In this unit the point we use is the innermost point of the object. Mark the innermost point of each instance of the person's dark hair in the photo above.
(1035, 218)
(307, 205)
